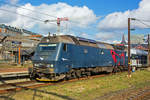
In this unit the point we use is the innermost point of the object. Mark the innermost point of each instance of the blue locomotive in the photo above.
(65, 57)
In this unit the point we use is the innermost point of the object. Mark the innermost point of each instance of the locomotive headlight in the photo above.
(52, 65)
(36, 65)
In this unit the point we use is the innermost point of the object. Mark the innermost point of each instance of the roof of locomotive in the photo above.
(75, 40)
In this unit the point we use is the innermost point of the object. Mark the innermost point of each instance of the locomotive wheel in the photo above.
(83, 74)
(117, 69)
(88, 73)
(68, 76)
(73, 75)
(32, 76)
(78, 73)
(121, 68)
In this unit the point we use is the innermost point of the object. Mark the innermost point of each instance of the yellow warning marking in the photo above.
(40, 79)
(51, 70)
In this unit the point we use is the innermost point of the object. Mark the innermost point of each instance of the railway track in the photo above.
(17, 86)
(12, 87)
(141, 95)
(5, 88)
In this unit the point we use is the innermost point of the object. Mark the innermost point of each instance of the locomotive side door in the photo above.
(65, 59)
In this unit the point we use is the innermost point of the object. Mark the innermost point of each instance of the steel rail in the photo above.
(27, 85)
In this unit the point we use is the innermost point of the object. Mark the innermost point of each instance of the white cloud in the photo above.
(13, 1)
(6, 17)
(78, 16)
(22, 21)
(109, 37)
(118, 20)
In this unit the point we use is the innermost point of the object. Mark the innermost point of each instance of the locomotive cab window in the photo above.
(65, 47)
(47, 47)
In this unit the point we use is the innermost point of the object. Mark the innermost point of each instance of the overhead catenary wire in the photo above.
(37, 19)
(83, 25)
(19, 6)
(142, 20)
(148, 26)
(13, 12)
(15, 5)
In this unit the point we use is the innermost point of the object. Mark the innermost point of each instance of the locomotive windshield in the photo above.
(45, 52)
(47, 47)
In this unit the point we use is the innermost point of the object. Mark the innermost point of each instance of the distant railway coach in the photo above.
(65, 57)
(138, 58)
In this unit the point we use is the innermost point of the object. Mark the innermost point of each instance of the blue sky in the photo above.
(103, 20)
(100, 7)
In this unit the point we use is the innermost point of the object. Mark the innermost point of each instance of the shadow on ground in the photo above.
(36, 92)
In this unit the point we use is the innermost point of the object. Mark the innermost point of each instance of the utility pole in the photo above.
(19, 54)
(129, 29)
(129, 67)
(148, 52)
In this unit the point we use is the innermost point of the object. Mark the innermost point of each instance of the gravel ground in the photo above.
(3, 70)
(126, 94)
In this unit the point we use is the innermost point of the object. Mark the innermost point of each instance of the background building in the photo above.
(16, 43)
